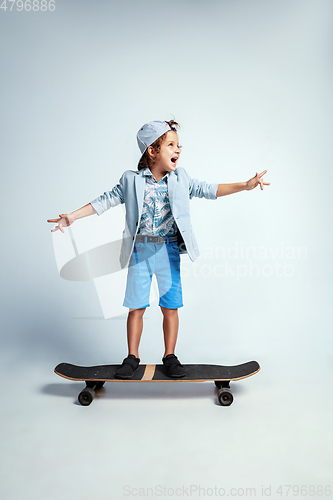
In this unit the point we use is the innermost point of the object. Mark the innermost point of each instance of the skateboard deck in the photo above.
(95, 376)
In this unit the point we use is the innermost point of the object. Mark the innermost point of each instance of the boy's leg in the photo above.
(169, 284)
(170, 329)
(173, 367)
(136, 299)
(134, 330)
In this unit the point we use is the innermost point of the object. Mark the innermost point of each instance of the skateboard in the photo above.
(96, 376)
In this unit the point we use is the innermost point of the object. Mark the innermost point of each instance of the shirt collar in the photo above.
(147, 172)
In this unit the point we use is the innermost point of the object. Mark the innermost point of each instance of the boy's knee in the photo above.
(137, 312)
(169, 312)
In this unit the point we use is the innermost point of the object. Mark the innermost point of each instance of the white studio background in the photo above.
(250, 83)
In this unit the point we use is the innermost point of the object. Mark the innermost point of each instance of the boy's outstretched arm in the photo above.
(68, 219)
(224, 189)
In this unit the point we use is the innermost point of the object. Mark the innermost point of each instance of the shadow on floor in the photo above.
(142, 390)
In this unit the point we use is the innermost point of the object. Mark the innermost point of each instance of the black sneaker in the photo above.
(128, 367)
(173, 367)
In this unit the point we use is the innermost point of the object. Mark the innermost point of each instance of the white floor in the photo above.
(163, 440)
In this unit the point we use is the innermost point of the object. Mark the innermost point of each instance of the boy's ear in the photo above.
(151, 151)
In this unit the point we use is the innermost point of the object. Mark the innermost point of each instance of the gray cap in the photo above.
(149, 133)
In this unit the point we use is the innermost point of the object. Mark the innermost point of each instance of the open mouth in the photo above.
(174, 159)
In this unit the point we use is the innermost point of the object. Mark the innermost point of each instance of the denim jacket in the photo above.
(130, 190)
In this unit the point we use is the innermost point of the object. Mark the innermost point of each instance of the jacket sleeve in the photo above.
(109, 199)
(202, 189)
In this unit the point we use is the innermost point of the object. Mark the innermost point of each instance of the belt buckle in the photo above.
(159, 239)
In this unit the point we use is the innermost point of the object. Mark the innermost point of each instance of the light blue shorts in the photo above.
(161, 259)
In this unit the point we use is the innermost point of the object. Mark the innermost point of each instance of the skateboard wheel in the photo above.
(225, 397)
(86, 396)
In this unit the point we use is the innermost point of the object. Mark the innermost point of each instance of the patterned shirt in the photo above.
(156, 218)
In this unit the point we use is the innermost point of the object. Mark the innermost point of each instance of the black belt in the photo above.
(155, 239)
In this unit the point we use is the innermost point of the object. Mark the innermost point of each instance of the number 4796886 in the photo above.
(27, 5)
(304, 490)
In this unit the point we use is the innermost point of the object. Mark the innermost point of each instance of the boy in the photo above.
(157, 230)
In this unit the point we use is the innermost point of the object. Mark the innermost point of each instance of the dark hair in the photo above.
(146, 160)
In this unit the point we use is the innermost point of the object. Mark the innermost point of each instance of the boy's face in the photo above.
(168, 156)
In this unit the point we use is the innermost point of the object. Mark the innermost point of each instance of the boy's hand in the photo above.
(63, 221)
(257, 179)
